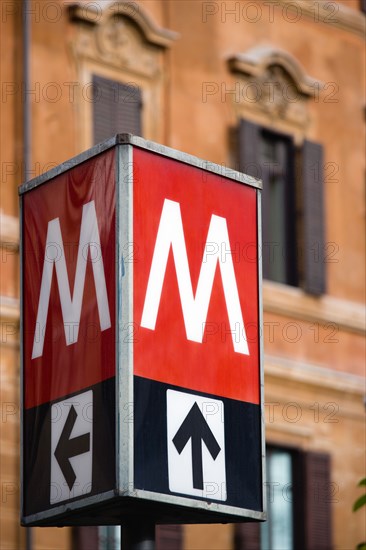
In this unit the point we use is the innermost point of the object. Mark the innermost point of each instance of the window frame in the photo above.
(307, 266)
(289, 254)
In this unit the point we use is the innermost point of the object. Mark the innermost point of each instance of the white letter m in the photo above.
(71, 307)
(195, 308)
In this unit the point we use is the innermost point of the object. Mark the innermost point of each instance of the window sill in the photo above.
(294, 302)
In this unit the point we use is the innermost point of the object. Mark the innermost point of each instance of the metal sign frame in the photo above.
(174, 508)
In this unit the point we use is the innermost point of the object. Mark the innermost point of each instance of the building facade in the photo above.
(275, 89)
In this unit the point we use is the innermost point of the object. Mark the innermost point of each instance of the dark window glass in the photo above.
(278, 220)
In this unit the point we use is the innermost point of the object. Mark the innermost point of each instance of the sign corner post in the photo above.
(137, 536)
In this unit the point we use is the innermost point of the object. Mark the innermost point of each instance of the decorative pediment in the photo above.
(92, 13)
(261, 61)
(275, 83)
(121, 34)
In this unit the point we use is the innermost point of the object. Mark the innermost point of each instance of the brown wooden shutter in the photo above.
(116, 108)
(169, 537)
(249, 158)
(247, 536)
(313, 218)
(318, 517)
(85, 538)
(249, 142)
(249, 163)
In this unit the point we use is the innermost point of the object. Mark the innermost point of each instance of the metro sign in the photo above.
(141, 356)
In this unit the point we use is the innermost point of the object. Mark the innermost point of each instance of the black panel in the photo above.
(242, 457)
(242, 444)
(37, 449)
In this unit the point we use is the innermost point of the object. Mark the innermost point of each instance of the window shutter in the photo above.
(249, 163)
(85, 538)
(247, 536)
(313, 218)
(249, 158)
(169, 537)
(116, 108)
(318, 491)
(249, 142)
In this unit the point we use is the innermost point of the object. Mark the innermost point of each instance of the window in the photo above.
(276, 156)
(277, 532)
(299, 497)
(292, 205)
(109, 537)
(125, 50)
(116, 108)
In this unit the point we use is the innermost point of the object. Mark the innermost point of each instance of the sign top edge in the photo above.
(68, 164)
(130, 139)
(187, 158)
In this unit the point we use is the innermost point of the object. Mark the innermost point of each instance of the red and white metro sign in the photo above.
(140, 340)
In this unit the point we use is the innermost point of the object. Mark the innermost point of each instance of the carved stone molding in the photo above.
(93, 15)
(274, 83)
(121, 35)
(118, 42)
(257, 60)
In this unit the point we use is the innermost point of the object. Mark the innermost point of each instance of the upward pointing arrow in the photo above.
(67, 448)
(196, 428)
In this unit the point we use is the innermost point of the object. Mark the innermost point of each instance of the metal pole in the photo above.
(28, 538)
(138, 536)
(27, 129)
(26, 138)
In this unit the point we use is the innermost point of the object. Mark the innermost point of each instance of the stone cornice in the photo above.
(294, 302)
(330, 13)
(313, 375)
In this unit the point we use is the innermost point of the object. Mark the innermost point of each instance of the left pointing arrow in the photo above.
(67, 448)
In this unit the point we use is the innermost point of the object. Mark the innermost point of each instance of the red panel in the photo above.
(165, 354)
(63, 369)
